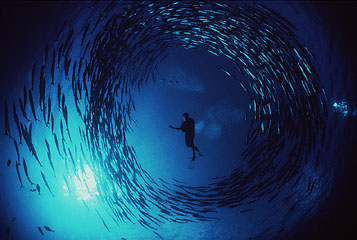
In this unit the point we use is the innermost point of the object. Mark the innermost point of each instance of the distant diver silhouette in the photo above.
(188, 127)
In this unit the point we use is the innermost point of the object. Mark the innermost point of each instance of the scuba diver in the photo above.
(188, 127)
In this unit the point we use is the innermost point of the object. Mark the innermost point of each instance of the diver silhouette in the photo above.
(188, 127)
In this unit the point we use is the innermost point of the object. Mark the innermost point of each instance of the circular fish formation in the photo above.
(85, 84)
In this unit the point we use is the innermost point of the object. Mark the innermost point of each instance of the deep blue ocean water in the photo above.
(152, 194)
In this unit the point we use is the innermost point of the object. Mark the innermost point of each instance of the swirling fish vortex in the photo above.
(120, 54)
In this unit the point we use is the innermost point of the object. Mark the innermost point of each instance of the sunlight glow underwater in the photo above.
(83, 92)
(85, 187)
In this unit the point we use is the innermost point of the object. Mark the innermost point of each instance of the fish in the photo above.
(52, 122)
(96, 23)
(17, 122)
(67, 64)
(85, 49)
(79, 66)
(28, 140)
(59, 96)
(246, 210)
(49, 157)
(74, 71)
(48, 229)
(44, 114)
(68, 39)
(59, 55)
(85, 204)
(26, 171)
(8, 162)
(23, 110)
(84, 33)
(273, 197)
(226, 72)
(40, 230)
(105, 225)
(49, 110)
(53, 67)
(64, 147)
(17, 150)
(25, 97)
(7, 124)
(56, 142)
(46, 183)
(110, 6)
(61, 128)
(38, 188)
(77, 107)
(42, 87)
(71, 156)
(32, 105)
(63, 101)
(18, 174)
(69, 135)
(61, 30)
(297, 180)
(65, 115)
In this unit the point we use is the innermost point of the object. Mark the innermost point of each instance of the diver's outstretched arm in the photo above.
(174, 128)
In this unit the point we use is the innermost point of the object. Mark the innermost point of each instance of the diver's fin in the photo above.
(192, 163)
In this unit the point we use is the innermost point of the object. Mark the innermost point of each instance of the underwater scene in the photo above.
(174, 120)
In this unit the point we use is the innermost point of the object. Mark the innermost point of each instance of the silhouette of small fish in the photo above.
(25, 97)
(17, 150)
(26, 171)
(85, 50)
(63, 100)
(38, 188)
(48, 229)
(59, 55)
(246, 210)
(52, 123)
(84, 33)
(53, 67)
(46, 183)
(65, 115)
(8, 162)
(18, 174)
(27, 136)
(105, 225)
(61, 30)
(40, 230)
(49, 157)
(96, 23)
(23, 110)
(49, 110)
(16, 118)
(32, 105)
(7, 125)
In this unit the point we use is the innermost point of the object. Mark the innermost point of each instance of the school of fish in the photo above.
(88, 73)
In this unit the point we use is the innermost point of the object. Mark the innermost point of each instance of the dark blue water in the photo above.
(270, 86)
